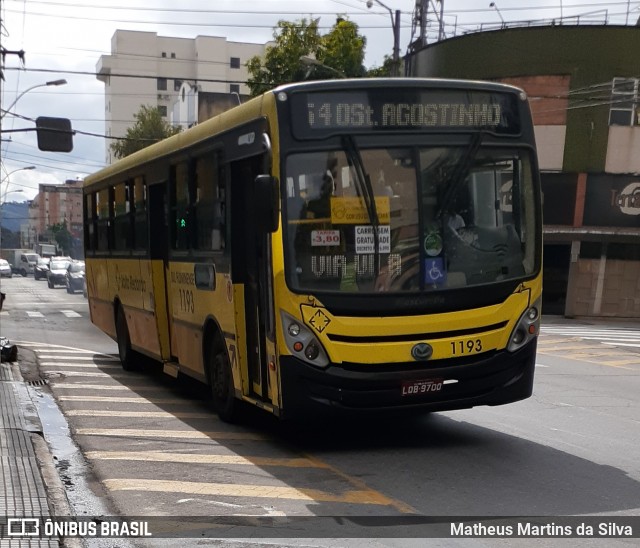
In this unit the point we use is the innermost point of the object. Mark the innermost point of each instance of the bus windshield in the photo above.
(409, 219)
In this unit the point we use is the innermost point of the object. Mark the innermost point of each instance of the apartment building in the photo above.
(146, 69)
(54, 204)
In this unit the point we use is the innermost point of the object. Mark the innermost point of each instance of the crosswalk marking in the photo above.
(620, 344)
(614, 336)
(173, 434)
(83, 374)
(112, 399)
(192, 458)
(258, 491)
(79, 358)
(81, 365)
(559, 346)
(83, 386)
(50, 350)
(139, 414)
(38, 314)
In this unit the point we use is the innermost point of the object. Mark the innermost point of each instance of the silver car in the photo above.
(57, 272)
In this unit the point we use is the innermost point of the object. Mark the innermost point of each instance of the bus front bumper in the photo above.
(493, 379)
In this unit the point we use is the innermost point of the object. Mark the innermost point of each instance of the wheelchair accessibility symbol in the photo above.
(435, 272)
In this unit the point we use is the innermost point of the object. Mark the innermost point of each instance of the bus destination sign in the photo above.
(321, 114)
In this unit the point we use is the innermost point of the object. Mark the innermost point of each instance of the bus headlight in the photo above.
(302, 343)
(527, 328)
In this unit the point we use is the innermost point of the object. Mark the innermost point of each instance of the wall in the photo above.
(607, 287)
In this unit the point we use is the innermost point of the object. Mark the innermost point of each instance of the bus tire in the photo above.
(126, 353)
(221, 382)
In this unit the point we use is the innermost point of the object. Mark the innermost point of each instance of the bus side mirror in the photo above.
(267, 203)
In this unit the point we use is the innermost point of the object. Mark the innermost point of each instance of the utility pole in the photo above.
(395, 27)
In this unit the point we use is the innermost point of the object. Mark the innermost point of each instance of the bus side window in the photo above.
(180, 202)
(210, 204)
(104, 219)
(139, 190)
(90, 221)
(122, 233)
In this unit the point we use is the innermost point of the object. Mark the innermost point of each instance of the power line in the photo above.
(192, 24)
(93, 6)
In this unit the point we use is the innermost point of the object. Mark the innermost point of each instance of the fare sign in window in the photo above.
(325, 237)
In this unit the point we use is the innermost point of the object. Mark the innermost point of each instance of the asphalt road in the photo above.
(145, 445)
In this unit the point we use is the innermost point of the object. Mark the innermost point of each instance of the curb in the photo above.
(57, 500)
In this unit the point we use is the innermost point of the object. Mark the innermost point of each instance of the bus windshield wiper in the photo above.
(366, 192)
(460, 173)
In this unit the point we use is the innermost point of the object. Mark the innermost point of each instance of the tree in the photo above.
(149, 128)
(63, 237)
(385, 70)
(342, 49)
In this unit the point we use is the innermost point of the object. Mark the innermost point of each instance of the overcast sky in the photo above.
(65, 38)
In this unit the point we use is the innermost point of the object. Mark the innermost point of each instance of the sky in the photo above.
(64, 39)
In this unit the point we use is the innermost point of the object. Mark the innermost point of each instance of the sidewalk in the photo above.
(24, 491)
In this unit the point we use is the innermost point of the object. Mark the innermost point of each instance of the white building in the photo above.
(147, 69)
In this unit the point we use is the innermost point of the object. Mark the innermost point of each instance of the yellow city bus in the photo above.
(348, 245)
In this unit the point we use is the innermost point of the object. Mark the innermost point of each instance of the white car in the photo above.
(5, 269)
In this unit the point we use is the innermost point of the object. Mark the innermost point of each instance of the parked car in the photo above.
(57, 271)
(42, 267)
(74, 278)
(5, 269)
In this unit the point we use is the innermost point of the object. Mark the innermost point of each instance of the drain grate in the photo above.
(38, 382)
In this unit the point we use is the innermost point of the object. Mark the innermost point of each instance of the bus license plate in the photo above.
(415, 388)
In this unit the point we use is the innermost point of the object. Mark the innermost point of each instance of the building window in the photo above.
(162, 84)
(234, 88)
(163, 110)
(234, 63)
(624, 102)
(177, 84)
(164, 54)
(173, 55)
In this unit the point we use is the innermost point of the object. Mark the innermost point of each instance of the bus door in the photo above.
(158, 249)
(251, 266)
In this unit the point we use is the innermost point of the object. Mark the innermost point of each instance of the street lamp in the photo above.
(494, 6)
(395, 25)
(60, 82)
(6, 178)
(313, 62)
(3, 197)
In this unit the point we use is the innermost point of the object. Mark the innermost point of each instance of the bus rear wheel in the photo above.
(221, 382)
(126, 353)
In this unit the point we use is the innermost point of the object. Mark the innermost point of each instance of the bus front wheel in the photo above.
(221, 382)
(124, 341)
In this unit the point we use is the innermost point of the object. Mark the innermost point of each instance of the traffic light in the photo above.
(54, 134)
